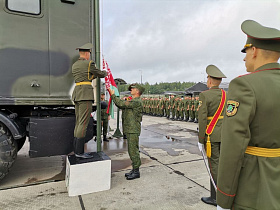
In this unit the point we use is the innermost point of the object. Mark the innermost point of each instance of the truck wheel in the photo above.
(8, 151)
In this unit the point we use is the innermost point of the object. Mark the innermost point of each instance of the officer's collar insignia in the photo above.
(232, 107)
(200, 103)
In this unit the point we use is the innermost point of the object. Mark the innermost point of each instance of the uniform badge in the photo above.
(200, 103)
(232, 107)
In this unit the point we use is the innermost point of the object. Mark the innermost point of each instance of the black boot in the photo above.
(79, 149)
(134, 175)
(124, 136)
(195, 121)
(104, 138)
(191, 120)
(212, 199)
(129, 173)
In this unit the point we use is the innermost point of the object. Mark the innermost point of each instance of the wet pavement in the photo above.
(169, 153)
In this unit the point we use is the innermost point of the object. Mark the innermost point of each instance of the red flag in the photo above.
(110, 83)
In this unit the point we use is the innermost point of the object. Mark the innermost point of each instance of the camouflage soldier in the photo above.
(196, 107)
(172, 107)
(84, 71)
(132, 125)
(210, 114)
(249, 166)
(186, 111)
(104, 116)
(167, 107)
(191, 109)
(181, 109)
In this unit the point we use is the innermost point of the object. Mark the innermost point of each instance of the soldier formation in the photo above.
(180, 108)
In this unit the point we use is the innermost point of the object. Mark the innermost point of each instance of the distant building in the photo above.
(202, 86)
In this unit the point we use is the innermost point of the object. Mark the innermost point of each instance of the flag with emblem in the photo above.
(110, 83)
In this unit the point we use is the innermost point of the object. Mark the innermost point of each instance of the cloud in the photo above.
(175, 40)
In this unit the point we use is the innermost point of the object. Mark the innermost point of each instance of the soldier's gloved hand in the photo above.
(200, 146)
(220, 208)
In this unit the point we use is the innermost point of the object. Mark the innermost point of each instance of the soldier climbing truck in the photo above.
(38, 39)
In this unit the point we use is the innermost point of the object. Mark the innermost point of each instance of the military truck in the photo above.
(38, 39)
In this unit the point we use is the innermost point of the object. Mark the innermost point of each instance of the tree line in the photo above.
(159, 88)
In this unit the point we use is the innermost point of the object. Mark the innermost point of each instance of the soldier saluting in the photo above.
(84, 71)
(249, 167)
(210, 114)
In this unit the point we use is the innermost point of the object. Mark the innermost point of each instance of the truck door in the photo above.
(70, 26)
(24, 49)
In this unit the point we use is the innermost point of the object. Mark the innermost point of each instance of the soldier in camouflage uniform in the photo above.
(186, 110)
(167, 107)
(172, 107)
(181, 109)
(104, 116)
(191, 109)
(84, 71)
(132, 111)
(196, 107)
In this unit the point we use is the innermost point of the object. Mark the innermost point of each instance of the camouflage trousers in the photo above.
(191, 114)
(82, 112)
(133, 149)
(104, 124)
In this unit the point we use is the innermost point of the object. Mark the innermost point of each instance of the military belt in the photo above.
(83, 83)
(219, 118)
(262, 152)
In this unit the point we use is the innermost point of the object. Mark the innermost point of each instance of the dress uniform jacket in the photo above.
(209, 102)
(81, 74)
(252, 119)
(132, 114)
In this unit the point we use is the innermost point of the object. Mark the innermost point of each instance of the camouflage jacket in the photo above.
(132, 114)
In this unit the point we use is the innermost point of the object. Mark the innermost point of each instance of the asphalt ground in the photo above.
(173, 174)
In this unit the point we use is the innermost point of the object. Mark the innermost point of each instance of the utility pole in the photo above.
(141, 76)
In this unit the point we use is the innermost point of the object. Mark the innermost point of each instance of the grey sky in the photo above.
(174, 40)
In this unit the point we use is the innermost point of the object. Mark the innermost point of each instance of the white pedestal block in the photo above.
(85, 176)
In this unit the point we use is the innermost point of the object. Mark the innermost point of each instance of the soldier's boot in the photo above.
(191, 120)
(79, 149)
(134, 175)
(124, 136)
(212, 199)
(129, 173)
(187, 119)
(195, 121)
(105, 138)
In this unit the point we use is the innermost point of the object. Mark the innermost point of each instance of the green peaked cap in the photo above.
(260, 36)
(213, 71)
(86, 46)
(137, 86)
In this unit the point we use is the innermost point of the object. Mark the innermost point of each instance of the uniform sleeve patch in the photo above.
(200, 103)
(232, 107)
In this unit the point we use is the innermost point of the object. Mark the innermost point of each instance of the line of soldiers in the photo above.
(181, 108)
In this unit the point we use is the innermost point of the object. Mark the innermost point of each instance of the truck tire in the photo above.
(8, 151)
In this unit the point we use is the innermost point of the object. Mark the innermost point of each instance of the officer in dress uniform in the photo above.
(211, 105)
(84, 71)
(132, 111)
(249, 167)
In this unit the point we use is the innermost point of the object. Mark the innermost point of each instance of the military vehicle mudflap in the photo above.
(8, 150)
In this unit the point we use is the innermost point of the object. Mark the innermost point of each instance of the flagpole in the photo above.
(97, 61)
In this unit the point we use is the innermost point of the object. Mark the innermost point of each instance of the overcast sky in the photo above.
(175, 40)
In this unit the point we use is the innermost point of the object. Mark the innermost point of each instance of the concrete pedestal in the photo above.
(85, 176)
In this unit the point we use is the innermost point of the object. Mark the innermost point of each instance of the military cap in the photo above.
(87, 46)
(137, 86)
(102, 93)
(260, 36)
(213, 71)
